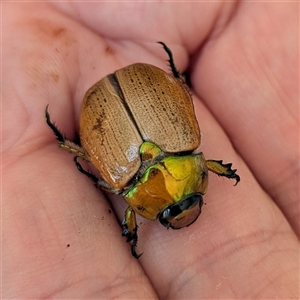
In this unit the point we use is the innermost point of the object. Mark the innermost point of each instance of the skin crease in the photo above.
(61, 238)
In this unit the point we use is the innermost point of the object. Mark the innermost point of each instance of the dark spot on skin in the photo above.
(109, 211)
(109, 50)
(68, 245)
(55, 77)
(58, 31)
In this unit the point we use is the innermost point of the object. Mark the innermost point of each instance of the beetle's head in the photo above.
(182, 213)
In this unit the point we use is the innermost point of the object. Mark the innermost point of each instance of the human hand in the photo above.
(62, 238)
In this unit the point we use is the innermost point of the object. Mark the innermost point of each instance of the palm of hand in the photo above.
(59, 238)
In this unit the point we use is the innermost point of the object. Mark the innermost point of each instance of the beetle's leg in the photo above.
(175, 72)
(99, 183)
(130, 230)
(221, 169)
(62, 140)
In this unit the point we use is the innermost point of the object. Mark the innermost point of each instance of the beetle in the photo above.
(139, 130)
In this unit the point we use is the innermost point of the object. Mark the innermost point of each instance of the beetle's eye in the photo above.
(182, 213)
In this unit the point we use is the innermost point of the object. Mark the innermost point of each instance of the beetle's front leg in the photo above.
(217, 167)
(130, 230)
(62, 140)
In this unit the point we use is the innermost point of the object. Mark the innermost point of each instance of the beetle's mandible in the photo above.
(138, 128)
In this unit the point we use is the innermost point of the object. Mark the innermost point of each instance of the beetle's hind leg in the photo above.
(217, 167)
(130, 230)
(62, 140)
(99, 183)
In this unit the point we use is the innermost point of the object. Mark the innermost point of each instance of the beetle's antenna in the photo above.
(175, 72)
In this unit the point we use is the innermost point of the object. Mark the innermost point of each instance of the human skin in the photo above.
(61, 237)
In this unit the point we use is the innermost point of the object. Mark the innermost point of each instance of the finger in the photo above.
(157, 21)
(247, 77)
(57, 232)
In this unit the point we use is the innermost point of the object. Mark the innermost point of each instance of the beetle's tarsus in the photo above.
(175, 72)
(133, 252)
(131, 237)
(59, 136)
(130, 230)
(62, 140)
(217, 167)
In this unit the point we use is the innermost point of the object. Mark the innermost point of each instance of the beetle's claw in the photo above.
(221, 169)
(133, 252)
(236, 177)
(231, 173)
(130, 230)
(131, 237)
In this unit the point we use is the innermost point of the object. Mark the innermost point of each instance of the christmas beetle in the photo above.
(138, 129)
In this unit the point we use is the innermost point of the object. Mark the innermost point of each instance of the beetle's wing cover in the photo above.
(161, 106)
(108, 135)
